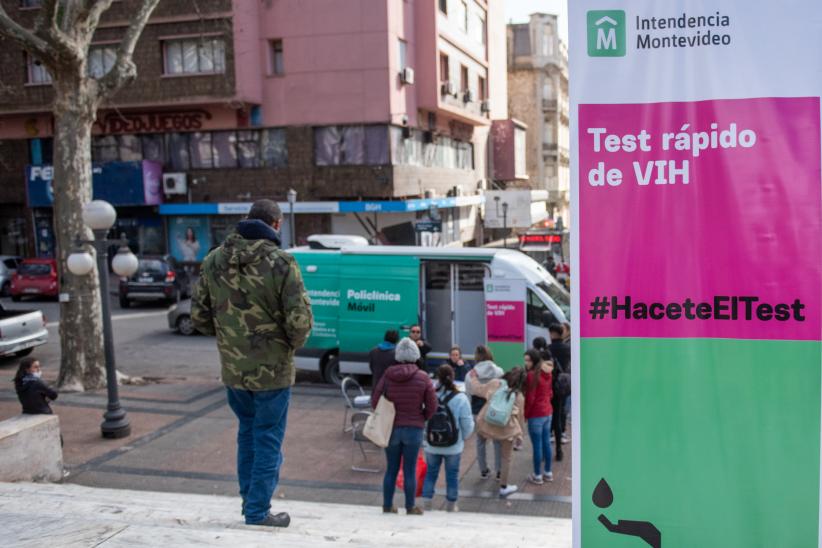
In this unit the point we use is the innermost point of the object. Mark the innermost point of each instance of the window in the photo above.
(445, 68)
(442, 152)
(548, 40)
(478, 28)
(248, 148)
(200, 150)
(105, 149)
(351, 145)
(277, 58)
(444, 6)
(101, 59)
(522, 40)
(30, 3)
(224, 149)
(37, 73)
(463, 78)
(195, 56)
(462, 15)
(178, 156)
(403, 53)
(130, 149)
(548, 137)
(274, 149)
(537, 312)
(154, 148)
(547, 90)
(482, 91)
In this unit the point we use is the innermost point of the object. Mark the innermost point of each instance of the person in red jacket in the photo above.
(538, 411)
(415, 401)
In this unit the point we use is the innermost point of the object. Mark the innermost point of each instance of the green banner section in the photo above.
(681, 420)
(507, 355)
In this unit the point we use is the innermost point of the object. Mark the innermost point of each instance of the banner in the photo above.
(698, 250)
(505, 320)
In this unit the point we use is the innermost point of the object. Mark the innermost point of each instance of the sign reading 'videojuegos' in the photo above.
(698, 245)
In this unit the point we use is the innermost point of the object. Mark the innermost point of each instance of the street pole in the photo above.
(505, 224)
(292, 199)
(115, 421)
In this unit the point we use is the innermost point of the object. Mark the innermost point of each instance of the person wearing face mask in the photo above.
(33, 393)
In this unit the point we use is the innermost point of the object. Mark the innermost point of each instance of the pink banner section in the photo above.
(505, 321)
(702, 219)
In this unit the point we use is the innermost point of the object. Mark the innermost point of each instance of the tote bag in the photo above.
(380, 423)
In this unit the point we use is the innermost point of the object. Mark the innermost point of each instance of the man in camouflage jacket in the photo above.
(250, 294)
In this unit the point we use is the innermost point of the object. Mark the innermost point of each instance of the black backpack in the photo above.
(562, 381)
(442, 430)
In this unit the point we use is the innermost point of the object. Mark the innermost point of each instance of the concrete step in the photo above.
(73, 515)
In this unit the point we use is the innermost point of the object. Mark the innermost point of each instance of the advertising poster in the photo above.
(189, 238)
(505, 320)
(696, 162)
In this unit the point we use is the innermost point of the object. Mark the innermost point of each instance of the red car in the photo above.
(35, 278)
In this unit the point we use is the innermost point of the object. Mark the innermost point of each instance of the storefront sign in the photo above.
(119, 183)
(152, 122)
(698, 258)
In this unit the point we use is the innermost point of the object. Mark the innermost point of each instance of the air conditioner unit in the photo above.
(485, 106)
(467, 97)
(407, 76)
(449, 88)
(174, 183)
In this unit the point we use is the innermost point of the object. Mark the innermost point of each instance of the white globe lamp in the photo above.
(124, 263)
(99, 215)
(80, 263)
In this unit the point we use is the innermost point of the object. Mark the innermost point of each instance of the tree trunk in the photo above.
(82, 363)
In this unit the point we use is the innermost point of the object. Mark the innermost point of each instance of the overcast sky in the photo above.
(517, 11)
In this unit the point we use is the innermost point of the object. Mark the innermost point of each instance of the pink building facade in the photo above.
(383, 103)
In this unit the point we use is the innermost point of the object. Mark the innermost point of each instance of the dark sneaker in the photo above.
(485, 474)
(415, 511)
(392, 510)
(274, 520)
(558, 458)
(498, 475)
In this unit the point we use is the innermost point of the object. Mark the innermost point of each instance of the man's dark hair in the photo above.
(555, 329)
(266, 211)
(539, 343)
(392, 336)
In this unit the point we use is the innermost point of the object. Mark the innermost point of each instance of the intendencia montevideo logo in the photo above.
(607, 33)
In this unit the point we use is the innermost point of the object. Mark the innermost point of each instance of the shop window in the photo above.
(351, 145)
(154, 148)
(101, 59)
(41, 151)
(194, 56)
(274, 149)
(178, 155)
(130, 148)
(36, 72)
(105, 149)
(248, 148)
(200, 150)
(224, 149)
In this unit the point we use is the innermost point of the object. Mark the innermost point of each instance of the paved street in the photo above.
(183, 432)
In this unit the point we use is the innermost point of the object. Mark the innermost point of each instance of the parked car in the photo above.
(21, 331)
(8, 266)
(155, 280)
(35, 278)
(179, 318)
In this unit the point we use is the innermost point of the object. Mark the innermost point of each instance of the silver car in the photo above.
(8, 266)
(179, 318)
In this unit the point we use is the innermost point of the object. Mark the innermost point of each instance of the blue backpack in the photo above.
(500, 406)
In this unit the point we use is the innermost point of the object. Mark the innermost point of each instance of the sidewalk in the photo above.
(71, 515)
(183, 441)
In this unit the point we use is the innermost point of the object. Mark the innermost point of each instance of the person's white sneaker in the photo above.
(451, 507)
(565, 439)
(505, 491)
(537, 480)
(427, 504)
(548, 476)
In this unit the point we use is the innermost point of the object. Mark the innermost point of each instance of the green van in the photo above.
(460, 296)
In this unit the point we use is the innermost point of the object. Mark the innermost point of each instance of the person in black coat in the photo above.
(560, 349)
(415, 334)
(381, 356)
(33, 393)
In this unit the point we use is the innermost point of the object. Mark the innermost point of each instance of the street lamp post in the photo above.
(100, 216)
(292, 199)
(504, 220)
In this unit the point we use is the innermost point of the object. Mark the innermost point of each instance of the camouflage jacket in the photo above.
(250, 294)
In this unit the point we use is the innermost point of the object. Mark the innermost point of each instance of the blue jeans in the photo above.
(404, 445)
(452, 475)
(539, 429)
(262, 417)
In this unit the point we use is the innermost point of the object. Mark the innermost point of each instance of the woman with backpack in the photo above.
(484, 371)
(502, 418)
(445, 439)
(538, 410)
(415, 401)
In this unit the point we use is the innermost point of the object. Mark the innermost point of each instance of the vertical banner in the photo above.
(505, 320)
(698, 253)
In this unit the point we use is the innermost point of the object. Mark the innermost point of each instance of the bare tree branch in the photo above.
(92, 11)
(124, 68)
(26, 39)
(50, 29)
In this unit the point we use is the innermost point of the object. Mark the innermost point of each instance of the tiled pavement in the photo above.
(183, 441)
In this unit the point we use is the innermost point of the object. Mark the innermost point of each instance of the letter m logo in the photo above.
(606, 33)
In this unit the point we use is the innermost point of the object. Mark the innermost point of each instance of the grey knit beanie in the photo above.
(407, 351)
